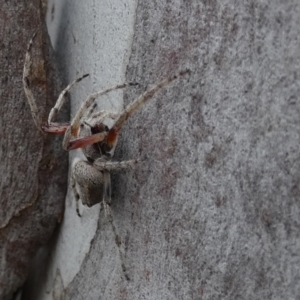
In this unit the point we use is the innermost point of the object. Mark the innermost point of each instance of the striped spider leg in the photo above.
(50, 126)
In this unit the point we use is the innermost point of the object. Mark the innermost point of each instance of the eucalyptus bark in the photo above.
(213, 212)
(33, 167)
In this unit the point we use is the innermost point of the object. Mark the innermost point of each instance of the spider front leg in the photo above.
(26, 85)
(111, 136)
(62, 98)
(73, 129)
(140, 101)
(49, 127)
(60, 128)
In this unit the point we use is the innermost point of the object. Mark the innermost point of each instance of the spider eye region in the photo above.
(99, 128)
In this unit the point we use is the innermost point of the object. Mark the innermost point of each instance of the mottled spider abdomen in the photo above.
(92, 185)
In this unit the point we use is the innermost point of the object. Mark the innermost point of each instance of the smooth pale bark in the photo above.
(213, 211)
(33, 167)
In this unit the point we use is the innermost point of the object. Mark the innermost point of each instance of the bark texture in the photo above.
(33, 167)
(213, 212)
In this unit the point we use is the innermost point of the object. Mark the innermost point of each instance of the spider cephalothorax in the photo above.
(95, 132)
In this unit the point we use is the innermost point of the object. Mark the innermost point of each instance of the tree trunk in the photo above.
(213, 211)
(33, 167)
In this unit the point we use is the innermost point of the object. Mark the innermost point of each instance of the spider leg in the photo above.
(101, 165)
(106, 193)
(139, 102)
(106, 166)
(79, 142)
(91, 110)
(101, 115)
(89, 101)
(55, 128)
(74, 127)
(112, 135)
(26, 85)
(75, 193)
(107, 187)
(61, 99)
(85, 141)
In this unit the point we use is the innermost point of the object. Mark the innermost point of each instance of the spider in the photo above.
(96, 133)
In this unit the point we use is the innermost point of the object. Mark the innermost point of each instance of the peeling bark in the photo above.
(33, 167)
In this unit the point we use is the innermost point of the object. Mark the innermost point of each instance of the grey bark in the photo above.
(213, 212)
(33, 167)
